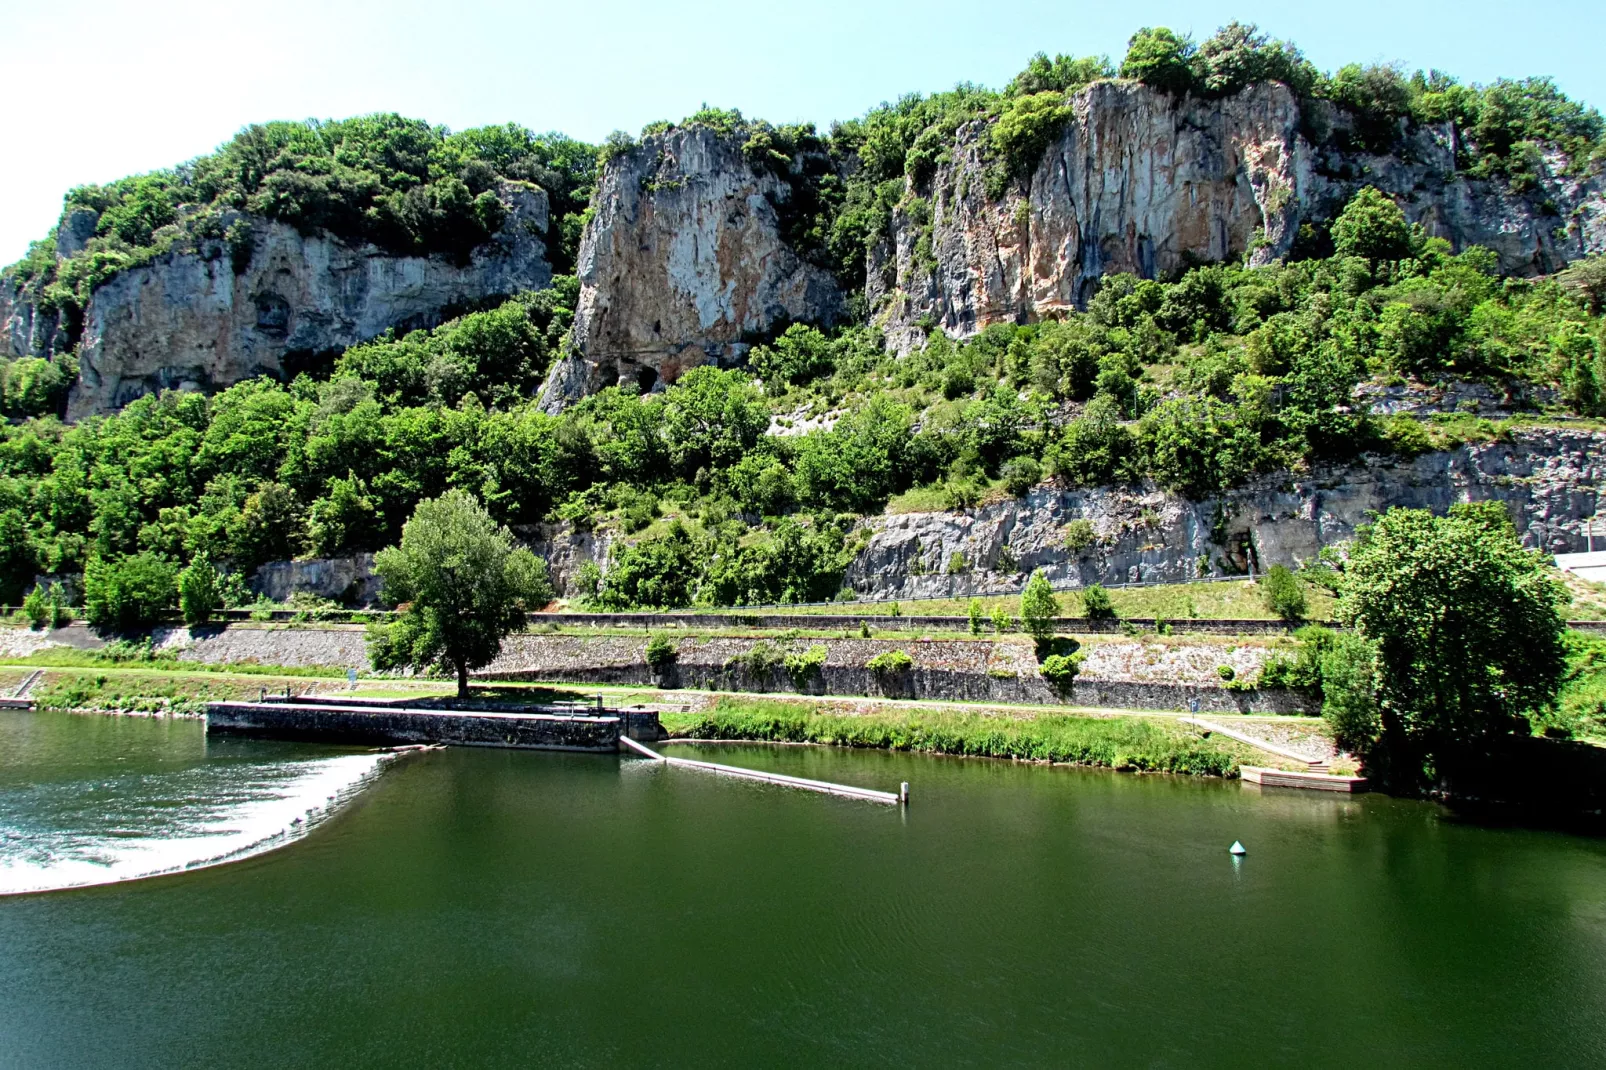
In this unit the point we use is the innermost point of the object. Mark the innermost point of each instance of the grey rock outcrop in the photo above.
(682, 263)
(1143, 182)
(189, 320)
(348, 580)
(1551, 481)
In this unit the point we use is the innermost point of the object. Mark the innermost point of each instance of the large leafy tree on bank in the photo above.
(1466, 632)
(462, 587)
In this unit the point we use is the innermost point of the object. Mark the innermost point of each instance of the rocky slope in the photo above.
(1550, 479)
(1144, 182)
(190, 320)
(682, 262)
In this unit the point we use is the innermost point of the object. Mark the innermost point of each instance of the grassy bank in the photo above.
(154, 692)
(1132, 743)
(1230, 600)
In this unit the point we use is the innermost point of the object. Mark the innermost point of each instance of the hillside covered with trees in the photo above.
(1195, 383)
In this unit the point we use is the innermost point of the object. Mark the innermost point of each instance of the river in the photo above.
(502, 908)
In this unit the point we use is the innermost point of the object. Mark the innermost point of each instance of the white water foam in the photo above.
(259, 808)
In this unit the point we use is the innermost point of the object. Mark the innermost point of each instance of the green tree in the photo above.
(1348, 669)
(198, 591)
(977, 617)
(1096, 603)
(129, 592)
(1372, 226)
(1467, 630)
(463, 587)
(1160, 58)
(1282, 593)
(1039, 609)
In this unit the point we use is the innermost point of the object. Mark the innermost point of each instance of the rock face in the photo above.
(189, 320)
(1143, 182)
(348, 580)
(1551, 480)
(682, 263)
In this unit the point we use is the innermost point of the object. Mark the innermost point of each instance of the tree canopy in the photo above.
(461, 586)
(1466, 632)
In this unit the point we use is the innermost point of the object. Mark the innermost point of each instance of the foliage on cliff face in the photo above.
(408, 187)
(1196, 384)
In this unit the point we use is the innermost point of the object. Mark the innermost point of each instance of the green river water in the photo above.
(502, 908)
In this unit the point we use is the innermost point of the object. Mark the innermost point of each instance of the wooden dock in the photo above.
(1283, 778)
(823, 787)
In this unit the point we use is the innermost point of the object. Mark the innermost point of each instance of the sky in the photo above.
(99, 89)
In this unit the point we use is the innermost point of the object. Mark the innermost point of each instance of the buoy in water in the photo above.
(1237, 848)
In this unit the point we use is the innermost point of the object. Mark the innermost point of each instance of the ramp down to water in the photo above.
(821, 786)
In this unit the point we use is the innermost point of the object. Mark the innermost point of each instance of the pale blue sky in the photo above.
(97, 89)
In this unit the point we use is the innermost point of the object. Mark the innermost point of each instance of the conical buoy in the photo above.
(1237, 848)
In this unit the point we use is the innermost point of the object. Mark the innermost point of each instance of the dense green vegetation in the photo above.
(1198, 383)
(404, 185)
(1458, 644)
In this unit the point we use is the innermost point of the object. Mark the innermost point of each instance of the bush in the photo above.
(1349, 693)
(1372, 226)
(1001, 621)
(198, 592)
(890, 662)
(1020, 474)
(47, 608)
(1061, 669)
(661, 652)
(1096, 603)
(1282, 593)
(128, 592)
(1039, 609)
(1079, 535)
(1226, 672)
(976, 618)
(805, 666)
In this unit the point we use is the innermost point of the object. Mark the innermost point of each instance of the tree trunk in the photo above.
(462, 679)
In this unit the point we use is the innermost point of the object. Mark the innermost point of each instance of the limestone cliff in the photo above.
(189, 319)
(1551, 480)
(1145, 182)
(682, 262)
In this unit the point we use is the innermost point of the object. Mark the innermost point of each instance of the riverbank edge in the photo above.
(1121, 743)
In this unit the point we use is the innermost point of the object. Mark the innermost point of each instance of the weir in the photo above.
(823, 787)
(357, 721)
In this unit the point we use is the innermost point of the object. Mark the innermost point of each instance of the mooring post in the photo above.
(903, 793)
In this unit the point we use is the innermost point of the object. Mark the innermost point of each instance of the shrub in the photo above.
(805, 666)
(198, 593)
(760, 661)
(1349, 692)
(890, 662)
(1079, 535)
(1020, 474)
(128, 592)
(1226, 672)
(1372, 226)
(1096, 603)
(1282, 593)
(957, 563)
(1039, 609)
(1001, 621)
(47, 608)
(976, 618)
(1061, 669)
(661, 652)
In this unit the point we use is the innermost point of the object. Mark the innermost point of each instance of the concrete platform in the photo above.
(1283, 778)
(385, 725)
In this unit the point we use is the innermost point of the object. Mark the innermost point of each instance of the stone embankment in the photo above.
(1166, 674)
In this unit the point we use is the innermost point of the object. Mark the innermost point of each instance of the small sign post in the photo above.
(351, 678)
